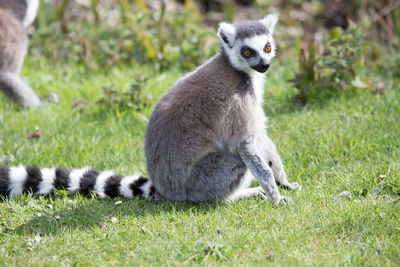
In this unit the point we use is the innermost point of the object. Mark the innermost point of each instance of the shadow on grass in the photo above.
(93, 212)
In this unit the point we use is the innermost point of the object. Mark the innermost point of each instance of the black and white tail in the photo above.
(31, 179)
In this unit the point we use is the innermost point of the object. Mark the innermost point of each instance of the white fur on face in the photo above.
(257, 43)
(232, 47)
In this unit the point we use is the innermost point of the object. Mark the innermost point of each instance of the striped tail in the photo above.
(31, 179)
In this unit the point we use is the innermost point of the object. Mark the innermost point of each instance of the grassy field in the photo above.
(347, 143)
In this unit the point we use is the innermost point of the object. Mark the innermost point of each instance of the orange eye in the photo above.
(247, 53)
(267, 48)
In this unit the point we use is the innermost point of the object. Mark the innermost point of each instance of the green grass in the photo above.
(350, 142)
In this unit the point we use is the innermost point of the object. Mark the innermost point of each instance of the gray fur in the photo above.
(207, 132)
(248, 29)
(17, 8)
(13, 48)
(253, 157)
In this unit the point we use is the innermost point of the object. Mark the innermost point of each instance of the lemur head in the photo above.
(249, 45)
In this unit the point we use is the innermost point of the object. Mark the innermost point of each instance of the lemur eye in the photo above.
(246, 52)
(267, 48)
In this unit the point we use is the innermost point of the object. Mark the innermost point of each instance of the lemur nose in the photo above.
(262, 66)
(265, 65)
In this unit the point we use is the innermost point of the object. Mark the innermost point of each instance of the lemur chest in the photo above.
(244, 115)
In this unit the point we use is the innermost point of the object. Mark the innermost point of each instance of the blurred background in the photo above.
(331, 44)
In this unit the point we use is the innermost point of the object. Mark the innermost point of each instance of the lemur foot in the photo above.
(290, 186)
(295, 186)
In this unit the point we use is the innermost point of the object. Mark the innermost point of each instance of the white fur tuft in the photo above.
(18, 177)
(270, 22)
(258, 80)
(46, 185)
(146, 189)
(101, 181)
(31, 10)
(227, 31)
(125, 183)
(75, 177)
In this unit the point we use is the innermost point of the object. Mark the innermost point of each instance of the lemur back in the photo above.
(206, 139)
(14, 16)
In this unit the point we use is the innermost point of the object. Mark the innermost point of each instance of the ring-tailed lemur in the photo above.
(15, 17)
(206, 139)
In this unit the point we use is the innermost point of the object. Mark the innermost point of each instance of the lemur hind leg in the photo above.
(216, 176)
(275, 163)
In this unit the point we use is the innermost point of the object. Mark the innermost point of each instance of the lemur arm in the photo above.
(258, 166)
(275, 163)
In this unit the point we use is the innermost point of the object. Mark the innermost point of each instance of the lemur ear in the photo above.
(227, 33)
(270, 22)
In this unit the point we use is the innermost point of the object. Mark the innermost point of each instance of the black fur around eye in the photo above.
(247, 52)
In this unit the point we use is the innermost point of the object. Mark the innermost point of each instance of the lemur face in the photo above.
(249, 45)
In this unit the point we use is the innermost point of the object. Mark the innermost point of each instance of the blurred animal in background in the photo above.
(15, 18)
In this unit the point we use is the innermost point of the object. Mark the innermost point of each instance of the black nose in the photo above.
(261, 67)
(265, 66)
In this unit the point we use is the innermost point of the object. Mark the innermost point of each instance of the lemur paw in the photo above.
(296, 186)
(290, 186)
